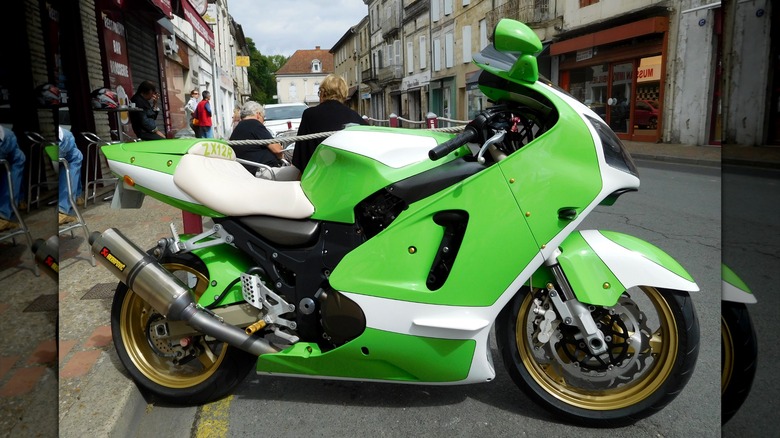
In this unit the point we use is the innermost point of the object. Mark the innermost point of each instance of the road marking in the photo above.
(214, 419)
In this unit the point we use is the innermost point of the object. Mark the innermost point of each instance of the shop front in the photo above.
(619, 73)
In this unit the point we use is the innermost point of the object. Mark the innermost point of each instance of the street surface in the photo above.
(677, 209)
(751, 247)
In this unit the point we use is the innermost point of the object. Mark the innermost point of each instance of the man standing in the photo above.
(190, 108)
(203, 114)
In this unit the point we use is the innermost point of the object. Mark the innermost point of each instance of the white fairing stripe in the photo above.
(160, 182)
(736, 295)
(632, 268)
(391, 149)
(445, 322)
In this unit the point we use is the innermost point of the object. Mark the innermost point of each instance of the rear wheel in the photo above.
(190, 370)
(738, 357)
(652, 337)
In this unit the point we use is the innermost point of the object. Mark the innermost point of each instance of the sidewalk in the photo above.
(95, 394)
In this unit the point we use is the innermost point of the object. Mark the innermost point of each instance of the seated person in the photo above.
(69, 151)
(251, 128)
(9, 151)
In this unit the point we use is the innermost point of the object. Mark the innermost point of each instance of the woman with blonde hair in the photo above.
(330, 115)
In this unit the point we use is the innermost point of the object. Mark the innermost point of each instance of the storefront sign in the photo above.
(200, 26)
(242, 61)
(648, 73)
(415, 81)
(584, 54)
(164, 6)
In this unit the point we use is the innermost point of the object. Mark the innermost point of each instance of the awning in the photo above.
(351, 91)
(200, 26)
(164, 6)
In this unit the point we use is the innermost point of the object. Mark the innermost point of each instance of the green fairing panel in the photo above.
(336, 193)
(591, 280)
(496, 246)
(160, 155)
(731, 278)
(378, 355)
(557, 170)
(225, 263)
(649, 251)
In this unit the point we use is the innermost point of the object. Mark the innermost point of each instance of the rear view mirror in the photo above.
(514, 37)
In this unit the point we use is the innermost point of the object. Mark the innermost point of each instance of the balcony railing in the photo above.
(390, 73)
(529, 12)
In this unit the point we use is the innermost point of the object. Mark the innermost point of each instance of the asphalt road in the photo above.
(677, 209)
(751, 247)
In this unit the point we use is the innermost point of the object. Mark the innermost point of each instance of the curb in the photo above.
(678, 160)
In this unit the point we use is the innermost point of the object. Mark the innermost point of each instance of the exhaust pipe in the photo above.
(163, 291)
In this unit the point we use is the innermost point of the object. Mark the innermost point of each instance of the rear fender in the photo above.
(225, 264)
(601, 265)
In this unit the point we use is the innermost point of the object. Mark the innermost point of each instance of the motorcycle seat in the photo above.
(209, 174)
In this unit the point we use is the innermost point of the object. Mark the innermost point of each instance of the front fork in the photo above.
(571, 311)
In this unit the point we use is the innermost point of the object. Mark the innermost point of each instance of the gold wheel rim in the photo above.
(663, 344)
(726, 355)
(133, 321)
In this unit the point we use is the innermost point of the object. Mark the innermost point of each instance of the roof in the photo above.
(300, 62)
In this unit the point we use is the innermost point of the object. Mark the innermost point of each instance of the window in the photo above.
(316, 66)
(449, 50)
(466, 44)
(447, 7)
(483, 37)
(423, 53)
(436, 54)
(409, 57)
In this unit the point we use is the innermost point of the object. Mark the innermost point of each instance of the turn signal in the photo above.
(129, 181)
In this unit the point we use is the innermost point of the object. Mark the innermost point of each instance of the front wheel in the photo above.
(188, 371)
(652, 337)
(738, 357)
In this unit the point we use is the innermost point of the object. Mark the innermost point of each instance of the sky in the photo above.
(280, 27)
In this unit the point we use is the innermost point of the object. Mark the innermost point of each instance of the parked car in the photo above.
(646, 114)
(280, 117)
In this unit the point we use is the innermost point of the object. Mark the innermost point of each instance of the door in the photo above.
(621, 92)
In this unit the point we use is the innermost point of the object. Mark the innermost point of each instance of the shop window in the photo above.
(584, 3)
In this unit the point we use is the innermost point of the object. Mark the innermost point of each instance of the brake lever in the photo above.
(497, 137)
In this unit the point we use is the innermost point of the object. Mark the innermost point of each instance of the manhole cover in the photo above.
(100, 291)
(44, 303)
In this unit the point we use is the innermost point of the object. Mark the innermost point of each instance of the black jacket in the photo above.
(252, 129)
(328, 116)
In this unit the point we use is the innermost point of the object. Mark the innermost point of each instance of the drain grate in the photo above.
(100, 291)
(44, 303)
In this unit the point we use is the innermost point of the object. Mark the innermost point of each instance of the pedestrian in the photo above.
(190, 108)
(68, 150)
(330, 115)
(145, 122)
(251, 127)
(203, 114)
(9, 151)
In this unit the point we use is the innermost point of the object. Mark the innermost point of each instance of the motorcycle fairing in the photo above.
(603, 257)
(734, 289)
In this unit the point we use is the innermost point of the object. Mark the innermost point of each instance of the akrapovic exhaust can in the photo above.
(142, 273)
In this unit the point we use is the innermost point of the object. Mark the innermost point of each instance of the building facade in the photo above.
(298, 81)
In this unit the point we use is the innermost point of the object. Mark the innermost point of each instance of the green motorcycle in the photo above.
(398, 252)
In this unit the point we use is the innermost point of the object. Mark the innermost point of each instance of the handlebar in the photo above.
(443, 149)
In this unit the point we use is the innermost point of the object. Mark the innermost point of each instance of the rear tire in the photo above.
(646, 367)
(738, 357)
(215, 368)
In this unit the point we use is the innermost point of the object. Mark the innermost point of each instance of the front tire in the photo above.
(202, 371)
(653, 338)
(738, 357)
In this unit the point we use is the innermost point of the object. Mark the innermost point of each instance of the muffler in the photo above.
(164, 292)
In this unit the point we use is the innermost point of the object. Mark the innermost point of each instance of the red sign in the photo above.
(164, 6)
(200, 26)
(119, 77)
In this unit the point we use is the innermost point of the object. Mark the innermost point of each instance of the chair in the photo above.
(22, 226)
(35, 159)
(95, 142)
(52, 153)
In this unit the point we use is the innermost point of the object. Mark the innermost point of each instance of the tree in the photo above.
(261, 73)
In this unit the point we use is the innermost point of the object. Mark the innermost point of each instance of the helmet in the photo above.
(48, 96)
(104, 98)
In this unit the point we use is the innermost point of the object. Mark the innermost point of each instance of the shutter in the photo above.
(142, 56)
(409, 57)
(449, 50)
(436, 54)
(466, 44)
(435, 8)
(423, 53)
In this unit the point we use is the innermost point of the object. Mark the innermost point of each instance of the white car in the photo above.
(281, 117)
